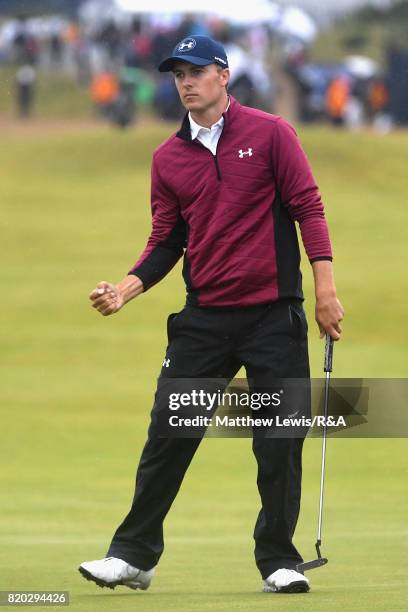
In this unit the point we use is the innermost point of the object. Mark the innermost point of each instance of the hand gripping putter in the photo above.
(328, 362)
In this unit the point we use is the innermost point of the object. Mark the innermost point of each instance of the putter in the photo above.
(328, 361)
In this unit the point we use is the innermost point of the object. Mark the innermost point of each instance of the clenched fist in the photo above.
(106, 298)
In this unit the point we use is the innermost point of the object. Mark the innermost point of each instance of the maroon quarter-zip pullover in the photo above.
(233, 215)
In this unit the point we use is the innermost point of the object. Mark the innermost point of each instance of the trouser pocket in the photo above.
(170, 325)
(298, 322)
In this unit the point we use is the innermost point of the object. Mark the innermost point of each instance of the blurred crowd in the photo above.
(351, 94)
(116, 61)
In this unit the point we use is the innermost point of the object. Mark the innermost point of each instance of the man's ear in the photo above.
(225, 75)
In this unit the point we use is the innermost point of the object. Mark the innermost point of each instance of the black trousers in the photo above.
(270, 341)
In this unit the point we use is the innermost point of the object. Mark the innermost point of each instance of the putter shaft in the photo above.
(328, 361)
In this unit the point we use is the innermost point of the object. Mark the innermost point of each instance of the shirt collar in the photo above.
(196, 127)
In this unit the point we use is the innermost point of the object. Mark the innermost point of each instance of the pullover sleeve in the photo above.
(167, 239)
(299, 192)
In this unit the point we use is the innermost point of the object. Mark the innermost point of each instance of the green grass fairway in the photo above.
(77, 388)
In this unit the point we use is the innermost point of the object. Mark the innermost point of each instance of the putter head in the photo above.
(308, 565)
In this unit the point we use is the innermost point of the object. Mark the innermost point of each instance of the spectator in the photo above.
(25, 81)
(337, 98)
(104, 91)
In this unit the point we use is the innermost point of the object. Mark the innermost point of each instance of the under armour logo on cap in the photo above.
(186, 45)
(197, 50)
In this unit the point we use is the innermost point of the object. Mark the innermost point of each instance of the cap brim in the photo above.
(168, 64)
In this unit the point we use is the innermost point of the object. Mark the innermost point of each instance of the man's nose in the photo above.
(187, 81)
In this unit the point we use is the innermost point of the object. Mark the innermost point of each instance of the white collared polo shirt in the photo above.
(208, 137)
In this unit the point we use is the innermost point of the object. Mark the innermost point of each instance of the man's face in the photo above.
(200, 87)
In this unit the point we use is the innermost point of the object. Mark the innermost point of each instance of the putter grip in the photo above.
(328, 354)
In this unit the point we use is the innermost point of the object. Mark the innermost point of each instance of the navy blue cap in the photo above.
(198, 50)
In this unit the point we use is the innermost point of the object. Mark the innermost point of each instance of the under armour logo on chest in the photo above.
(242, 153)
(166, 363)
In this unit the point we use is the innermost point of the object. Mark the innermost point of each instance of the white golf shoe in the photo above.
(111, 572)
(286, 581)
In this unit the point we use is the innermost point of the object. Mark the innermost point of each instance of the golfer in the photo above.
(226, 191)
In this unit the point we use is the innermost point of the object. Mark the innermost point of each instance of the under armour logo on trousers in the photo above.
(166, 363)
(242, 153)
